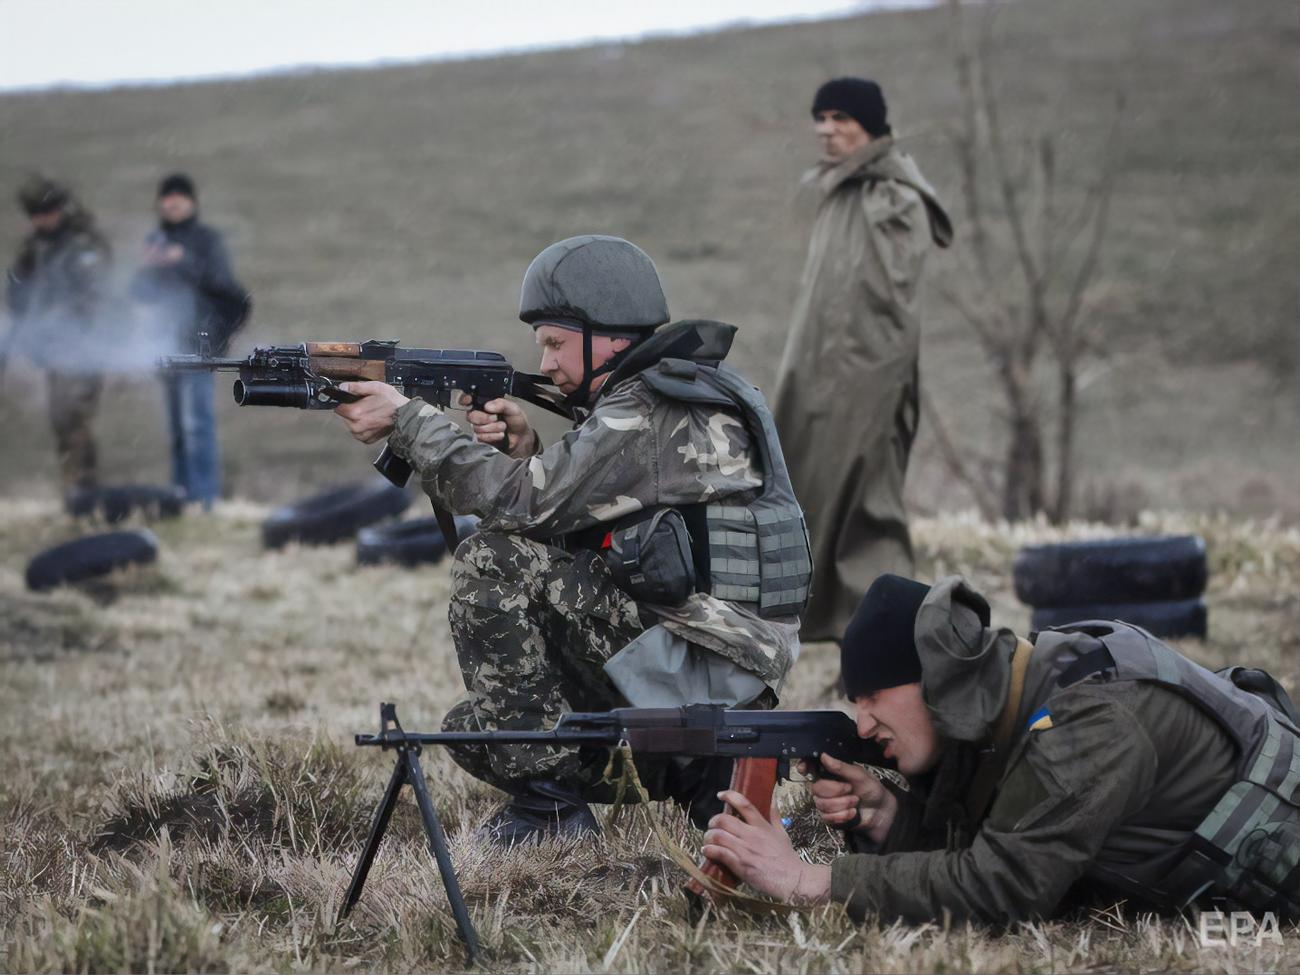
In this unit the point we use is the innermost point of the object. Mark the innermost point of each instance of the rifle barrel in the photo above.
(393, 739)
(198, 363)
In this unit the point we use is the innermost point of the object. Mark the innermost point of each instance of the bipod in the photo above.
(407, 771)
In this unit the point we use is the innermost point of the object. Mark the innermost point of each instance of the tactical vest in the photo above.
(1247, 850)
(756, 552)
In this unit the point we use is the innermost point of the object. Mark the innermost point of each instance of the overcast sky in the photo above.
(96, 42)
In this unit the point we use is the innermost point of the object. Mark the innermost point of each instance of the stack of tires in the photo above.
(415, 542)
(115, 503)
(368, 511)
(1155, 583)
(334, 515)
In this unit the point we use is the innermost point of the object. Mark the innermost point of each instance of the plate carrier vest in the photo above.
(1247, 850)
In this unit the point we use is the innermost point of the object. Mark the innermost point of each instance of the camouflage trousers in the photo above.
(73, 400)
(533, 626)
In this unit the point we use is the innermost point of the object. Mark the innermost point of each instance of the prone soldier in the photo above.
(1095, 761)
(654, 556)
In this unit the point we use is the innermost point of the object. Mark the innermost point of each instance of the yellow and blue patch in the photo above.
(1040, 720)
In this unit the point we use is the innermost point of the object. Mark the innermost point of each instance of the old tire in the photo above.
(117, 502)
(417, 542)
(408, 542)
(1185, 617)
(333, 515)
(94, 555)
(1113, 570)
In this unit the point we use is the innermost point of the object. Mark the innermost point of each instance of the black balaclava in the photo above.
(879, 647)
(857, 98)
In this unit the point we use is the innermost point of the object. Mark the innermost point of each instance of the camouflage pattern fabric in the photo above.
(56, 289)
(533, 627)
(56, 286)
(636, 450)
(73, 400)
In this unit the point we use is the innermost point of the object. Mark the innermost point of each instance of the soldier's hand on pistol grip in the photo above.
(370, 419)
(500, 418)
(855, 799)
(758, 851)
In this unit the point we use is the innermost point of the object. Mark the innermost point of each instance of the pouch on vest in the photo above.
(1261, 683)
(651, 559)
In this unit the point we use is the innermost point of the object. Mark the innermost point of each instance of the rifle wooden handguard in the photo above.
(755, 779)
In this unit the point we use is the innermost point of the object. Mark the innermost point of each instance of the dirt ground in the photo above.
(179, 792)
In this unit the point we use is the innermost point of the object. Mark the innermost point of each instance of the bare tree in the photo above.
(1032, 267)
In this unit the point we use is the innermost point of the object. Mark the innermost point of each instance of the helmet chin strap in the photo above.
(581, 397)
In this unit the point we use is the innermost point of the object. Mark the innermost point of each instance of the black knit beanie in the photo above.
(178, 183)
(857, 98)
(879, 647)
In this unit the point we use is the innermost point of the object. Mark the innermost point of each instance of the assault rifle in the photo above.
(762, 743)
(307, 377)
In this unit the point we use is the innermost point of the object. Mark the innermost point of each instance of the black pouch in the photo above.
(651, 559)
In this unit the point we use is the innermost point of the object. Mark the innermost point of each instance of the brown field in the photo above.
(178, 791)
(406, 203)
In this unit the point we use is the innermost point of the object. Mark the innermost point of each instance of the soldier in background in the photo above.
(672, 447)
(56, 290)
(847, 393)
(187, 281)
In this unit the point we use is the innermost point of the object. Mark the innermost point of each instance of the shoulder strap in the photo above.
(993, 762)
(1006, 725)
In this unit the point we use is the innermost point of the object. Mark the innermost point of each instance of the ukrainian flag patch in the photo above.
(1040, 720)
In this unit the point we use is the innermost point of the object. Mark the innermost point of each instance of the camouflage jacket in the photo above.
(1096, 776)
(636, 450)
(56, 287)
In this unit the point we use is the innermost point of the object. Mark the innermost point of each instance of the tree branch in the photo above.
(985, 499)
(1088, 267)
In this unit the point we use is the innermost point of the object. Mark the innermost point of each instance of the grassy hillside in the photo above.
(178, 791)
(406, 202)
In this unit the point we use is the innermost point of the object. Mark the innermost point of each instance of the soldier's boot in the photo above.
(545, 808)
(695, 787)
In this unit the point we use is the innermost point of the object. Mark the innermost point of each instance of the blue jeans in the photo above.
(196, 466)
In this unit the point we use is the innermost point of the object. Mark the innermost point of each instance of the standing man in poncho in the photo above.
(847, 393)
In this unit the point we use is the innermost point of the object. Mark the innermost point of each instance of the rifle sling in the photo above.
(993, 760)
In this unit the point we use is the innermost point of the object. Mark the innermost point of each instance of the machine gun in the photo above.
(307, 377)
(762, 743)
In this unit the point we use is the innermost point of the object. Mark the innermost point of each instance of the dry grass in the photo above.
(177, 791)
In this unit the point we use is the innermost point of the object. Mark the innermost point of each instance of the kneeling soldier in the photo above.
(654, 556)
(1096, 760)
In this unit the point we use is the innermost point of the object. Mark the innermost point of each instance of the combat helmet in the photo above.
(596, 285)
(40, 194)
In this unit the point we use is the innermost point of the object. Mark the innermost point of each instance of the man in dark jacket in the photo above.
(56, 289)
(187, 280)
(1094, 761)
